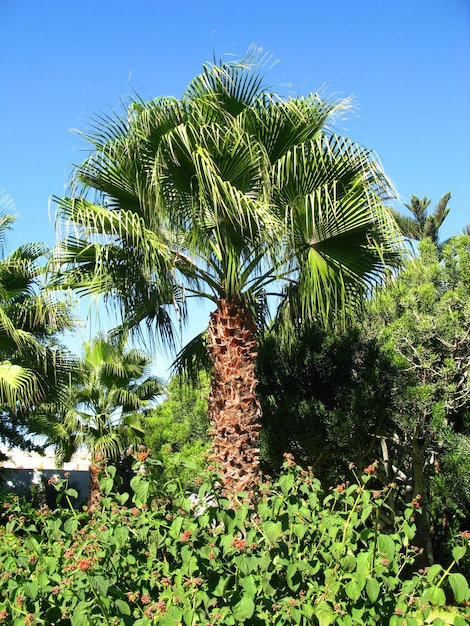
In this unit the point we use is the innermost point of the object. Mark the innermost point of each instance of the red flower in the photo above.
(84, 564)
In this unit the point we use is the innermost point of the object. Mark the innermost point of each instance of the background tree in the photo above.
(326, 398)
(105, 408)
(176, 430)
(35, 369)
(423, 224)
(225, 194)
(423, 319)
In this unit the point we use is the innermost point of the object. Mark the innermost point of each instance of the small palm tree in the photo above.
(114, 386)
(234, 195)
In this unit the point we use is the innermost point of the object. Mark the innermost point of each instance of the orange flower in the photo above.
(142, 456)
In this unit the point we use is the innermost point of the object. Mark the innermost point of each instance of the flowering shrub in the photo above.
(295, 558)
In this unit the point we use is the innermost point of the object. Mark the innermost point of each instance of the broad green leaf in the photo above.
(272, 530)
(435, 595)
(458, 552)
(353, 590)
(372, 589)
(244, 609)
(386, 545)
(31, 589)
(123, 607)
(433, 572)
(246, 564)
(324, 613)
(299, 530)
(286, 482)
(71, 525)
(250, 585)
(459, 586)
(121, 535)
(294, 577)
(122, 498)
(106, 484)
(100, 584)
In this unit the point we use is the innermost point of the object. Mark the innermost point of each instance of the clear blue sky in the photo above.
(406, 62)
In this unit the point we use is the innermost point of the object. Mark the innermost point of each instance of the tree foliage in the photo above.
(176, 430)
(35, 369)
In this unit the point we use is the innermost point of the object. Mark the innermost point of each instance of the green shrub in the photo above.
(296, 557)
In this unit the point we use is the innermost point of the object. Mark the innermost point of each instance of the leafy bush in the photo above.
(295, 557)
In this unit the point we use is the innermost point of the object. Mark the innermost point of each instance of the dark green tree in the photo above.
(423, 320)
(326, 398)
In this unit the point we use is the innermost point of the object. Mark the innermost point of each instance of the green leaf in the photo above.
(435, 595)
(299, 530)
(31, 589)
(459, 586)
(324, 614)
(245, 563)
(244, 609)
(372, 589)
(121, 535)
(79, 616)
(272, 530)
(121, 498)
(71, 525)
(250, 585)
(386, 545)
(286, 482)
(353, 590)
(123, 607)
(294, 577)
(99, 584)
(458, 552)
(106, 484)
(433, 572)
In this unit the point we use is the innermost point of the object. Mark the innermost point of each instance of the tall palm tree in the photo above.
(234, 195)
(114, 386)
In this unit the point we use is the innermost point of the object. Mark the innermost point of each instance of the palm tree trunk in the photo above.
(94, 492)
(234, 409)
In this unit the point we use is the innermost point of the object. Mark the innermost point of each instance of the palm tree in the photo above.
(235, 195)
(423, 224)
(114, 387)
(34, 367)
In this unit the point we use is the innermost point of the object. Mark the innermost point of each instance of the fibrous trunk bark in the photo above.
(234, 409)
(94, 490)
